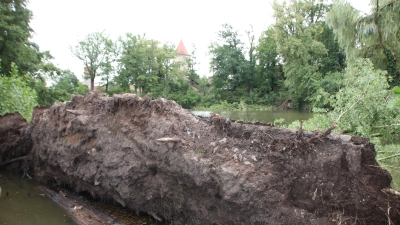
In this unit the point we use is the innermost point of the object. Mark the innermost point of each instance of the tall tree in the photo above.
(298, 24)
(132, 60)
(94, 50)
(269, 74)
(148, 65)
(251, 62)
(15, 34)
(228, 61)
(375, 35)
(191, 63)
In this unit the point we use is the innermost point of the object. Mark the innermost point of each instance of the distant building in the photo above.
(183, 55)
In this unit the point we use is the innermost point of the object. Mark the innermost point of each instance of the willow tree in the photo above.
(374, 35)
(298, 25)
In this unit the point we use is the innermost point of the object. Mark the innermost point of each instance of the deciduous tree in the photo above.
(298, 25)
(228, 61)
(93, 51)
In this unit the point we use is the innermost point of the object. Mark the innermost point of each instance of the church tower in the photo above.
(182, 54)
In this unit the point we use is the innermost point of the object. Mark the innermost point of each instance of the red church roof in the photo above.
(181, 49)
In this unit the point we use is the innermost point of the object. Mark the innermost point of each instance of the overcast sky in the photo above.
(61, 24)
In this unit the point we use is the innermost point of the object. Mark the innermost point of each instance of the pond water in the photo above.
(25, 204)
(259, 116)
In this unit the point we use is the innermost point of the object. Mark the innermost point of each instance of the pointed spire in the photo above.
(181, 49)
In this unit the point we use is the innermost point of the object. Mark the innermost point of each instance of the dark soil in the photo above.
(154, 156)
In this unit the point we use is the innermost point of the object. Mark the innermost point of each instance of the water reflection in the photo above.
(260, 116)
(25, 204)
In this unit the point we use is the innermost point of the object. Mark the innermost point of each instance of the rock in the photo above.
(248, 163)
(222, 141)
(215, 149)
(235, 158)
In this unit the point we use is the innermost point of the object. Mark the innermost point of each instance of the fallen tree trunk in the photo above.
(80, 211)
(155, 157)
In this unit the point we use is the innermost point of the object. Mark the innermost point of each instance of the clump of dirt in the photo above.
(14, 144)
(154, 156)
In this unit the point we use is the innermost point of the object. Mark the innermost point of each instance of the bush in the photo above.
(16, 95)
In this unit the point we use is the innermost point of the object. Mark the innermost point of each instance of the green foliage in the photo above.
(66, 85)
(396, 92)
(329, 85)
(298, 26)
(152, 68)
(279, 122)
(16, 95)
(374, 35)
(15, 44)
(148, 65)
(184, 94)
(360, 106)
(255, 79)
(97, 52)
(228, 61)
(269, 75)
(335, 60)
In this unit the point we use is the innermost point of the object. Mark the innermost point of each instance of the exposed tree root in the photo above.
(13, 160)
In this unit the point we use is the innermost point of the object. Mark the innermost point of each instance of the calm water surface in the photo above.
(24, 205)
(260, 116)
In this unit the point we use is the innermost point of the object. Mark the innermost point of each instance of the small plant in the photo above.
(200, 150)
(279, 122)
(392, 104)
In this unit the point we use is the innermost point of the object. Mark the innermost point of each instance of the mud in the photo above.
(14, 140)
(153, 156)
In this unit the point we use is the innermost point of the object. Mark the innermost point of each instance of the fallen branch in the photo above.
(75, 112)
(355, 103)
(13, 160)
(384, 126)
(392, 156)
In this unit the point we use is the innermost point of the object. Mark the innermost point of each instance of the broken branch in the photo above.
(392, 156)
(13, 160)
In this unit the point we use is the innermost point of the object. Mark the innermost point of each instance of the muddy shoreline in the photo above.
(154, 156)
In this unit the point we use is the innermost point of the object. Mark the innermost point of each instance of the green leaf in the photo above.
(396, 91)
